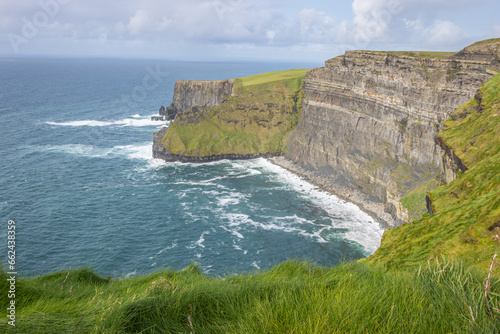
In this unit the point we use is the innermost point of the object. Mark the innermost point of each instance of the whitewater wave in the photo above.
(139, 151)
(134, 121)
(358, 225)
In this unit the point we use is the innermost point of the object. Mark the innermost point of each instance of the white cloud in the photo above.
(444, 33)
(415, 25)
(314, 22)
(372, 18)
(139, 22)
(255, 24)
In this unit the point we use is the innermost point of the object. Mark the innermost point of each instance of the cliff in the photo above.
(370, 121)
(367, 131)
(188, 94)
(239, 119)
(464, 220)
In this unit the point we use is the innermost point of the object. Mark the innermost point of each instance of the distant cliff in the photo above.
(234, 119)
(189, 94)
(368, 130)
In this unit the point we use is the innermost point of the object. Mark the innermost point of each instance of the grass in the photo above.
(256, 121)
(269, 77)
(467, 209)
(491, 40)
(293, 297)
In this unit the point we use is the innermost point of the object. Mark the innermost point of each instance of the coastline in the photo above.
(372, 208)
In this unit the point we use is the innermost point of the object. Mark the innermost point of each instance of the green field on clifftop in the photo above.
(264, 78)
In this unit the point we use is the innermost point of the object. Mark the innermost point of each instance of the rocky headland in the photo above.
(235, 119)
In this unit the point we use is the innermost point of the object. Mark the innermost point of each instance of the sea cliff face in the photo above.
(189, 94)
(369, 126)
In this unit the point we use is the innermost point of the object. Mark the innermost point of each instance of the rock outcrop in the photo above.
(482, 51)
(494, 67)
(189, 94)
(370, 121)
(247, 123)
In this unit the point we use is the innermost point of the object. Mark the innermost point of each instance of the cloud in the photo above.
(415, 22)
(444, 33)
(314, 22)
(139, 23)
(315, 25)
(372, 18)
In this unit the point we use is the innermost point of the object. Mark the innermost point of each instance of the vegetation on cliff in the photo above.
(293, 297)
(265, 108)
(466, 220)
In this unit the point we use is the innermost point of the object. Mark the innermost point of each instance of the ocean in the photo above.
(78, 178)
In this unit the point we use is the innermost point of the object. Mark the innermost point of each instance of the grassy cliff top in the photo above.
(439, 54)
(269, 77)
(421, 54)
(491, 40)
(292, 297)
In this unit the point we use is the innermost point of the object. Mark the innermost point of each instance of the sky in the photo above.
(240, 30)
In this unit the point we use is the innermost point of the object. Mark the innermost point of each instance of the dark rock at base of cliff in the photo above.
(340, 187)
(158, 118)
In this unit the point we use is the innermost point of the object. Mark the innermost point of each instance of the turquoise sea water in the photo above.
(77, 177)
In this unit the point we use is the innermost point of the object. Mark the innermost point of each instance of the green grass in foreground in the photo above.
(466, 223)
(293, 297)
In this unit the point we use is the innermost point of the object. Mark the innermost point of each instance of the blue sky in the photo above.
(239, 30)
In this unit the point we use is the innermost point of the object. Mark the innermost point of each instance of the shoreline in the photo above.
(372, 208)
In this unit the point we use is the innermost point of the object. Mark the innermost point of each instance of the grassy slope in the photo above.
(292, 297)
(467, 209)
(253, 122)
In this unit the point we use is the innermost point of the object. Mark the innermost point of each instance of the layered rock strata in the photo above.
(189, 94)
(370, 121)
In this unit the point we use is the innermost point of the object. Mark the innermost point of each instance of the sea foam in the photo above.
(135, 121)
